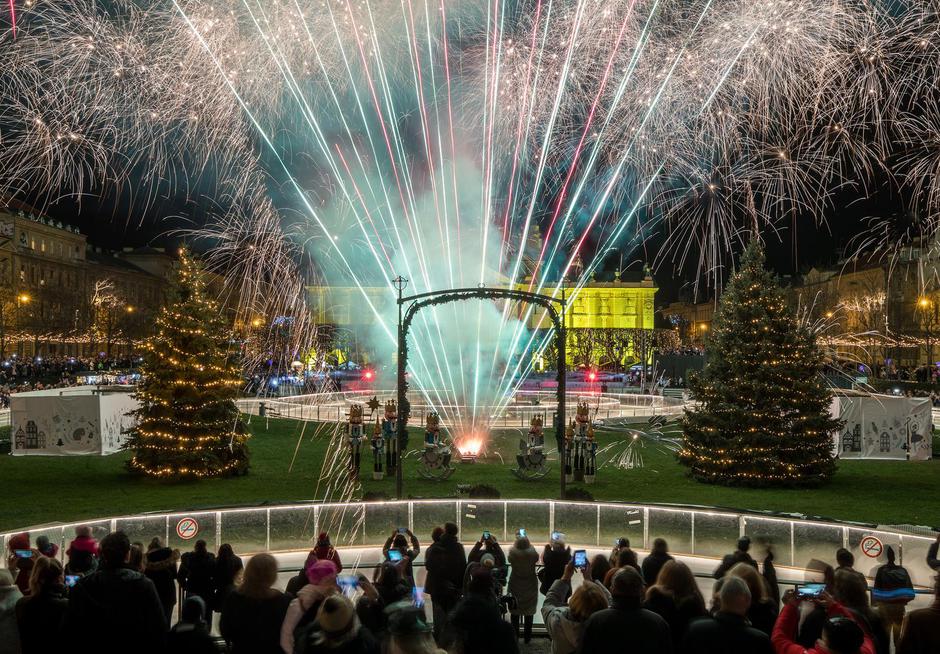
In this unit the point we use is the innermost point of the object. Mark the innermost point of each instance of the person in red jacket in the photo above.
(841, 633)
(326, 552)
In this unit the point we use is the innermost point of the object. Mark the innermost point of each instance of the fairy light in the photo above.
(188, 424)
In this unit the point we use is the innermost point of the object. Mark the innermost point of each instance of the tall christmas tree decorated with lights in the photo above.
(188, 425)
(762, 415)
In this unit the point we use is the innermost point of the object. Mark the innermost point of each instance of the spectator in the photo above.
(487, 561)
(10, 595)
(626, 622)
(728, 632)
(160, 568)
(116, 601)
(20, 560)
(840, 634)
(676, 598)
(324, 550)
(845, 560)
(769, 573)
(740, 555)
(893, 590)
(763, 611)
(228, 566)
(600, 566)
(554, 559)
(137, 557)
(191, 634)
(298, 581)
(398, 541)
(409, 632)
(619, 544)
(82, 552)
(523, 586)
(303, 609)
(851, 590)
(40, 615)
(626, 558)
(254, 612)
(336, 630)
(921, 632)
(653, 563)
(46, 547)
(195, 574)
(476, 625)
(932, 551)
(565, 624)
(390, 584)
(445, 562)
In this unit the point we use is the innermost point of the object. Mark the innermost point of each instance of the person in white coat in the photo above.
(565, 623)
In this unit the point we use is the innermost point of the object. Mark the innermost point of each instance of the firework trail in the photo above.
(436, 138)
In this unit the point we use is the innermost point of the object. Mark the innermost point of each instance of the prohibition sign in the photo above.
(871, 547)
(187, 528)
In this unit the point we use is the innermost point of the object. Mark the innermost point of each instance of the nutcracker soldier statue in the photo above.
(378, 451)
(354, 437)
(435, 460)
(531, 461)
(390, 433)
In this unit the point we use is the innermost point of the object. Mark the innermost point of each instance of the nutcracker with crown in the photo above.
(581, 444)
(355, 434)
(531, 460)
(378, 451)
(390, 432)
(435, 460)
(569, 452)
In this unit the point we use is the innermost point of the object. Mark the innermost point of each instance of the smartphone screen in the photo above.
(348, 583)
(522, 533)
(557, 536)
(580, 559)
(24, 554)
(417, 596)
(394, 556)
(71, 580)
(402, 530)
(486, 535)
(811, 590)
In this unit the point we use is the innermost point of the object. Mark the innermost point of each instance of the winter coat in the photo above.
(763, 616)
(252, 625)
(83, 556)
(195, 574)
(160, 568)
(40, 619)
(921, 634)
(329, 553)
(554, 561)
(117, 606)
(732, 560)
(677, 616)
(621, 628)
(359, 641)
(726, 633)
(223, 580)
(786, 628)
(562, 628)
(523, 584)
(9, 633)
(476, 627)
(932, 559)
(445, 562)
(892, 585)
(188, 638)
(652, 564)
(301, 612)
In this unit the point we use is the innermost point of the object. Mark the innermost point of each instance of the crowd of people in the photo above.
(121, 596)
(21, 374)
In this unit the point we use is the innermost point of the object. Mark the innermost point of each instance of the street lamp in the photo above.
(129, 309)
(23, 298)
(256, 322)
(925, 304)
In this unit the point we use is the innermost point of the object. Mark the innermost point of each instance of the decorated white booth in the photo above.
(70, 421)
(883, 427)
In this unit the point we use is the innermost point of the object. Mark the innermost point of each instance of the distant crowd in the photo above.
(118, 596)
(18, 375)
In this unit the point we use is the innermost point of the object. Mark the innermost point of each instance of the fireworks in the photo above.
(430, 139)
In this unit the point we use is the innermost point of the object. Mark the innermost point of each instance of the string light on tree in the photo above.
(762, 417)
(188, 424)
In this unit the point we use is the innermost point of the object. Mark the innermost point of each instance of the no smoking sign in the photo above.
(187, 528)
(871, 547)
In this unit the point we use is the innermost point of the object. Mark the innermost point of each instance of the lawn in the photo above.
(38, 490)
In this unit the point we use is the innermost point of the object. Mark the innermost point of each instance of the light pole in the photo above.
(925, 304)
(403, 410)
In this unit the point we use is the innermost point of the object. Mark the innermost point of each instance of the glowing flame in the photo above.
(470, 447)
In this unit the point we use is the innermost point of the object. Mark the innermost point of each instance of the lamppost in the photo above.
(925, 305)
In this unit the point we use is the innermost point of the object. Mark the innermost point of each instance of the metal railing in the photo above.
(690, 531)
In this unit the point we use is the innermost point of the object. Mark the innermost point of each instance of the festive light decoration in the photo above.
(188, 424)
(763, 415)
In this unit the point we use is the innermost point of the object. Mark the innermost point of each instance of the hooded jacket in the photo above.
(117, 609)
(9, 633)
(445, 562)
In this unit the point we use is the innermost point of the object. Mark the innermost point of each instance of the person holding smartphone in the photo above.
(555, 557)
(39, 615)
(20, 560)
(523, 585)
(398, 541)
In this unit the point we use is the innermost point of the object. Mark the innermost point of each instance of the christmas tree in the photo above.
(188, 425)
(762, 417)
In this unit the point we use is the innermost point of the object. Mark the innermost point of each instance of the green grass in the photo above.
(38, 490)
